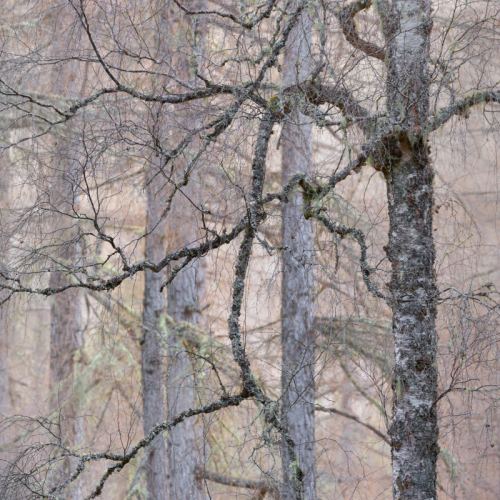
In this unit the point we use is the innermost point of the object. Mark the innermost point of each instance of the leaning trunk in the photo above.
(153, 331)
(297, 336)
(411, 251)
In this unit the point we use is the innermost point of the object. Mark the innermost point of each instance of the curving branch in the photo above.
(342, 231)
(345, 17)
(98, 284)
(308, 95)
(122, 460)
(255, 216)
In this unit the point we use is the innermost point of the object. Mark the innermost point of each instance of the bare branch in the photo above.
(246, 25)
(461, 108)
(236, 482)
(346, 16)
(334, 411)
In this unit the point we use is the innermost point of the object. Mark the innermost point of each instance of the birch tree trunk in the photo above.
(185, 442)
(153, 329)
(297, 334)
(411, 251)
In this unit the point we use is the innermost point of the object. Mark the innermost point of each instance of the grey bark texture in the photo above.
(297, 304)
(409, 176)
(152, 341)
(185, 442)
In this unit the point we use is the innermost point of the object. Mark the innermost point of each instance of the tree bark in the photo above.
(152, 341)
(4, 311)
(185, 442)
(409, 176)
(297, 314)
(4, 373)
(66, 335)
(65, 318)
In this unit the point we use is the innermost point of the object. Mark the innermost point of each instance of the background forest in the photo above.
(249, 249)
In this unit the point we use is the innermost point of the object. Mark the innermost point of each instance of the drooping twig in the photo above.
(334, 411)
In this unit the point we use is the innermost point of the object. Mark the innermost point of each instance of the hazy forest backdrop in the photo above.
(249, 249)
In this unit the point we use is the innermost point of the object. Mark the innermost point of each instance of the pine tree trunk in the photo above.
(297, 335)
(4, 325)
(66, 335)
(152, 341)
(185, 443)
(409, 175)
(4, 372)
(65, 323)
(4, 311)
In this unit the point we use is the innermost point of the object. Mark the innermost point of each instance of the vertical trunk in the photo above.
(185, 443)
(409, 176)
(65, 335)
(4, 326)
(414, 429)
(4, 373)
(65, 323)
(297, 304)
(153, 329)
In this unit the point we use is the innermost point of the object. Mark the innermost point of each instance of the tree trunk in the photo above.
(4, 311)
(185, 443)
(409, 176)
(65, 321)
(66, 335)
(153, 329)
(297, 333)
(4, 373)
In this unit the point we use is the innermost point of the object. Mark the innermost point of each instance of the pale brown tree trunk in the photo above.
(297, 305)
(409, 176)
(185, 442)
(4, 370)
(152, 341)
(66, 335)
(65, 319)
(4, 311)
